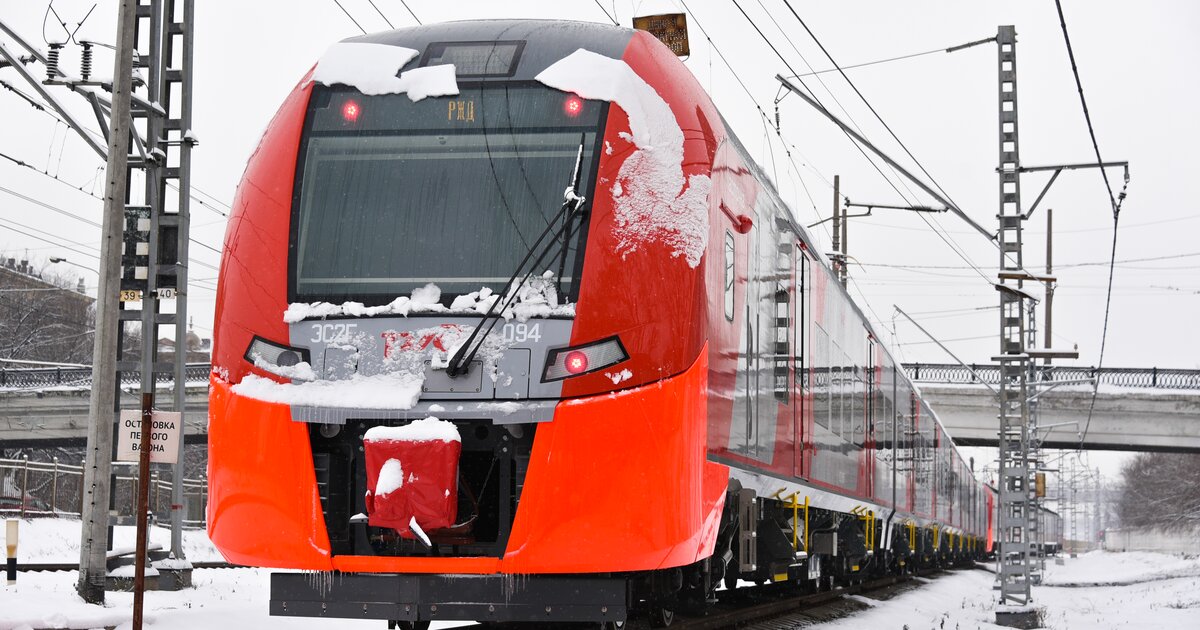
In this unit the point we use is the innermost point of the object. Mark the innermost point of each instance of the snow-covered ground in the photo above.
(1095, 591)
(1155, 591)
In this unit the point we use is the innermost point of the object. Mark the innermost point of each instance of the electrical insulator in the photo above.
(85, 65)
(52, 61)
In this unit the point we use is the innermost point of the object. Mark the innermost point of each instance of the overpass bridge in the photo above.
(1137, 409)
(1149, 409)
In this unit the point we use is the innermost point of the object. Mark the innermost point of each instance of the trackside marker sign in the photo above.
(164, 436)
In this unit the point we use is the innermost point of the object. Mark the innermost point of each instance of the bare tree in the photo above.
(1161, 490)
(43, 316)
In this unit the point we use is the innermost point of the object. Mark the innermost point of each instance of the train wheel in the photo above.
(661, 617)
(412, 625)
(612, 625)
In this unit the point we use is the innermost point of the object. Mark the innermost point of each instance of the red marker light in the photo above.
(576, 362)
(573, 106)
(351, 111)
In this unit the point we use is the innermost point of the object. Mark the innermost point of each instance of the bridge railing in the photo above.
(1150, 378)
(35, 489)
(37, 378)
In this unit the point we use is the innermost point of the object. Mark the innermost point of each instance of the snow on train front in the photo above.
(456, 338)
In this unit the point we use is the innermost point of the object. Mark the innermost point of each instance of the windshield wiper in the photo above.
(572, 204)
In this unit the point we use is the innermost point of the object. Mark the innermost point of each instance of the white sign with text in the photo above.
(166, 428)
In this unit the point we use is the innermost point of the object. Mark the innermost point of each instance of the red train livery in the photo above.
(664, 393)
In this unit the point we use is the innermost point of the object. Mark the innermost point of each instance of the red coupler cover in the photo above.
(412, 474)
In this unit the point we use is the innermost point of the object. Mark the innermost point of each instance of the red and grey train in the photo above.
(695, 401)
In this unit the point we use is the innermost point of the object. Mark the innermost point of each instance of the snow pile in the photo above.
(1106, 568)
(652, 201)
(302, 371)
(537, 297)
(429, 429)
(371, 69)
(56, 540)
(391, 478)
(420, 83)
(391, 390)
(423, 299)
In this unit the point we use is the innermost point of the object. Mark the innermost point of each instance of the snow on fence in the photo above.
(34, 489)
(1184, 540)
(30, 378)
(1157, 378)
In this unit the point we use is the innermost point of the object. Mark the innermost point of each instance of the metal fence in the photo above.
(1151, 378)
(1161, 378)
(31, 489)
(82, 377)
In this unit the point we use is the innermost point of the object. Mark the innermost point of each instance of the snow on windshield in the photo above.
(371, 69)
(652, 201)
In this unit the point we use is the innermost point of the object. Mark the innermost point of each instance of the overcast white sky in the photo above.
(1138, 69)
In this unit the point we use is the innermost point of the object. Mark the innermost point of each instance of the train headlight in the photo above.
(275, 354)
(566, 362)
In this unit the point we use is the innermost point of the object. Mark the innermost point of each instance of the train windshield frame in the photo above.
(392, 194)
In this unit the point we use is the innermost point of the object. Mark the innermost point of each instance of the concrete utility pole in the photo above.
(144, 255)
(103, 405)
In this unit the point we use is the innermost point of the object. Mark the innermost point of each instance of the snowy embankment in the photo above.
(230, 599)
(1147, 590)
(1141, 590)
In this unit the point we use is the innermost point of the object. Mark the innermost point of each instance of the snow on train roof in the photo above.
(679, 217)
(371, 69)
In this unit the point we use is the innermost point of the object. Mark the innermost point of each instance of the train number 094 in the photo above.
(521, 332)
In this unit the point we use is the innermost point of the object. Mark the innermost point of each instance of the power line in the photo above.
(42, 108)
(82, 219)
(1116, 212)
(45, 240)
(908, 200)
(945, 238)
(788, 147)
(606, 13)
(866, 102)
(957, 249)
(1116, 203)
(1056, 265)
(793, 71)
(48, 206)
(900, 58)
(389, 22)
(339, 4)
(410, 11)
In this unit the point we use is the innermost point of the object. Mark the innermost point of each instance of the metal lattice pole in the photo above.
(1016, 474)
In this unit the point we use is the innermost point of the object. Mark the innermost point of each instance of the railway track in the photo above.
(780, 610)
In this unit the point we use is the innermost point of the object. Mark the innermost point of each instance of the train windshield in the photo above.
(392, 194)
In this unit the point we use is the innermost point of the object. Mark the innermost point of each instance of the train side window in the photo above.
(729, 271)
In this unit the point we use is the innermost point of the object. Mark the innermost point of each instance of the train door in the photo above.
(869, 437)
(756, 414)
(781, 358)
(800, 363)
